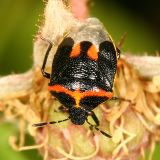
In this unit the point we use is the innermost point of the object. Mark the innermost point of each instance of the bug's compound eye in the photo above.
(77, 115)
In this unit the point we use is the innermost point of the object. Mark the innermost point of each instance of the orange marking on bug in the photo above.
(74, 94)
(92, 53)
(98, 93)
(75, 51)
(78, 95)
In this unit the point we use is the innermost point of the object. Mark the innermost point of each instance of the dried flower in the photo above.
(133, 124)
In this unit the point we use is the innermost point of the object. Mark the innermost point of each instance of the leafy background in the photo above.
(18, 19)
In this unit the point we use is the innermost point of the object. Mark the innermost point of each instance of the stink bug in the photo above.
(83, 71)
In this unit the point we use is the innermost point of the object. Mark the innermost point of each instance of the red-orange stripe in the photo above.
(78, 95)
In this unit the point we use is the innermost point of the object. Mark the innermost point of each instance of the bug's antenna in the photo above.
(94, 126)
(41, 124)
(104, 133)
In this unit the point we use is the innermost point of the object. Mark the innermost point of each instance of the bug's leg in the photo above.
(62, 109)
(41, 124)
(45, 74)
(94, 117)
(121, 99)
(97, 124)
(121, 41)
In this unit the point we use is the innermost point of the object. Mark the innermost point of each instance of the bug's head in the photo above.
(77, 115)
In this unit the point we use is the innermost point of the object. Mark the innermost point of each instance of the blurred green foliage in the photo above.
(17, 30)
(18, 20)
(142, 36)
(7, 130)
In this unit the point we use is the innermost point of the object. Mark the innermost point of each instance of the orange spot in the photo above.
(92, 53)
(75, 51)
(78, 95)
